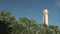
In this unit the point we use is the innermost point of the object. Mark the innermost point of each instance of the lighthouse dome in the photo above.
(45, 11)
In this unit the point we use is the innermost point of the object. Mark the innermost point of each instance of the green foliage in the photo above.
(9, 25)
(6, 22)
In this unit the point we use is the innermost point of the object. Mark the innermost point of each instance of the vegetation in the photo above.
(9, 25)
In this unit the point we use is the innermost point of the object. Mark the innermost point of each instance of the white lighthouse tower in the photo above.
(45, 16)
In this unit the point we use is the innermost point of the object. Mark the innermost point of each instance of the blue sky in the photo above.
(33, 9)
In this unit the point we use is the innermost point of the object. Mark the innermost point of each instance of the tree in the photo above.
(6, 21)
(9, 25)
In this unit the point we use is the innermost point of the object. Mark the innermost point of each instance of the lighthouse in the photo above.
(45, 16)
